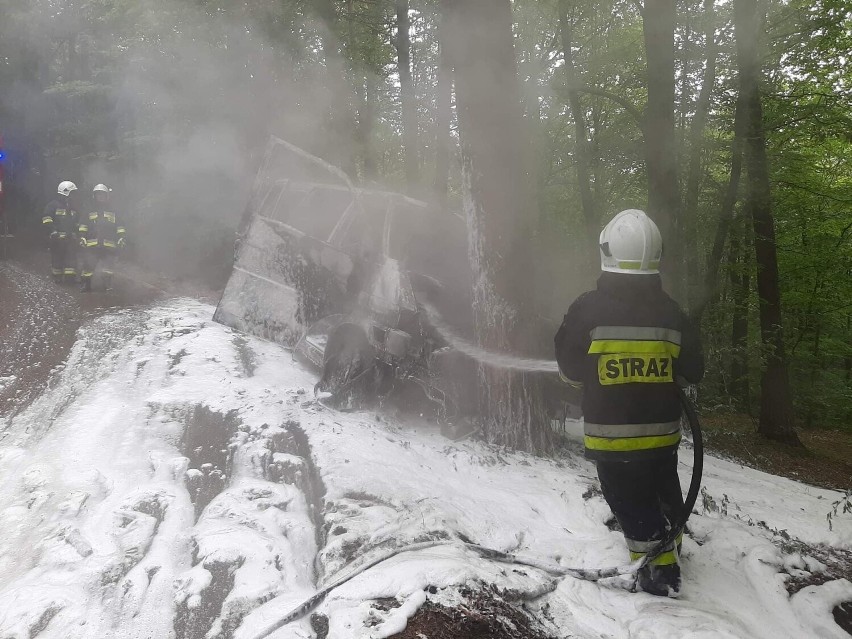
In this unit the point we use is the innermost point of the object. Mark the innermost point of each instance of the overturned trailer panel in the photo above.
(275, 288)
(340, 271)
(311, 244)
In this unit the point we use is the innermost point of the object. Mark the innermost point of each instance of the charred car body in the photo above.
(339, 273)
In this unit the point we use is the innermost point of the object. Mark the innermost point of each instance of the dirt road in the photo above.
(39, 319)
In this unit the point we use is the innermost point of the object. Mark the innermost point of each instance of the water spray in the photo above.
(483, 356)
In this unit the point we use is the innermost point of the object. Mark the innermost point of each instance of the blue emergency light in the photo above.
(2, 155)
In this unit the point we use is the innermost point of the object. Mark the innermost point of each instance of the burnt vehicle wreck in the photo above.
(340, 274)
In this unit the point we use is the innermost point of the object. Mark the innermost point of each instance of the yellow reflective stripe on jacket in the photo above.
(83, 228)
(93, 216)
(47, 220)
(110, 217)
(600, 346)
(61, 212)
(631, 430)
(91, 243)
(635, 354)
(635, 266)
(109, 243)
(120, 230)
(636, 333)
(628, 444)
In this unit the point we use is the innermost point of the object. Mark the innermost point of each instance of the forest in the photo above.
(729, 122)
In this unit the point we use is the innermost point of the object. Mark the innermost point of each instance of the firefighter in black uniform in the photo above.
(61, 219)
(628, 343)
(100, 236)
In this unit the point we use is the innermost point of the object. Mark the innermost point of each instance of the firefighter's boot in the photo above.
(663, 581)
(86, 285)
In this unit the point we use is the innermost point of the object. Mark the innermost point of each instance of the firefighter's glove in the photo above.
(121, 242)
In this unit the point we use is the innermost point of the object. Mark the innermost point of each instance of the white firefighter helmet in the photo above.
(66, 187)
(101, 188)
(631, 243)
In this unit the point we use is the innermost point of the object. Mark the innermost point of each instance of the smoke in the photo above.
(169, 102)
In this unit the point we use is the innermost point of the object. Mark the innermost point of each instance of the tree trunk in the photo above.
(847, 363)
(497, 207)
(776, 406)
(366, 126)
(444, 115)
(339, 144)
(581, 138)
(814, 374)
(660, 147)
(366, 82)
(726, 215)
(406, 91)
(696, 148)
(740, 284)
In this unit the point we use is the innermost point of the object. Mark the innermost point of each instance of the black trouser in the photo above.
(98, 256)
(63, 255)
(644, 496)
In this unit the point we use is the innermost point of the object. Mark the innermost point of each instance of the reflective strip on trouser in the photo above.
(98, 258)
(62, 255)
(639, 549)
(631, 437)
(47, 220)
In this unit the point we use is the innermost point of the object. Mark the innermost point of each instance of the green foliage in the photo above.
(171, 101)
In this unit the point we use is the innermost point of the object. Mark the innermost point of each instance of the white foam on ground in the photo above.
(99, 538)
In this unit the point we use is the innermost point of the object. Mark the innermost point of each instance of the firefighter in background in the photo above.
(628, 343)
(60, 218)
(100, 237)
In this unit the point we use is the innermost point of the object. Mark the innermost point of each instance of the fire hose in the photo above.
(586, 574)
